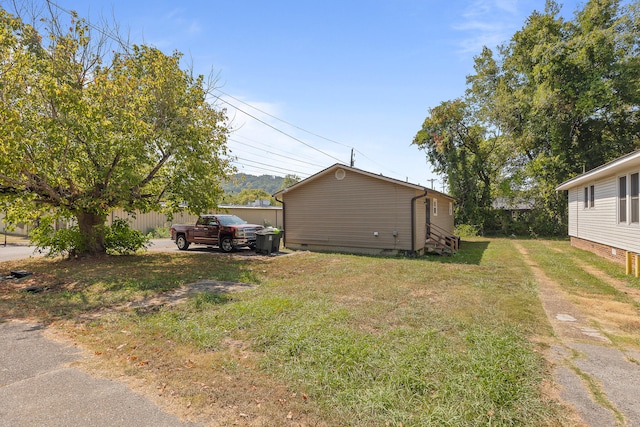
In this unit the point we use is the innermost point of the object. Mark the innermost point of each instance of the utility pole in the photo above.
(432, 181)
(353, 157)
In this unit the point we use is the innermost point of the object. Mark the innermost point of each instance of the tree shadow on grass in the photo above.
(71, 289)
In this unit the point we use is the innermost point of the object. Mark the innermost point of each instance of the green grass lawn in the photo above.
(324, 339)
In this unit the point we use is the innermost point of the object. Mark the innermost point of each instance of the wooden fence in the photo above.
(267, 216)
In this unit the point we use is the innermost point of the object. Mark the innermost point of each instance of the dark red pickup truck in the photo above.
(228, 232)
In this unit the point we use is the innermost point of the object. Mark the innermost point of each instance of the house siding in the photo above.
(443, 220)
(329, 213)
(573, 211)
(599, 224)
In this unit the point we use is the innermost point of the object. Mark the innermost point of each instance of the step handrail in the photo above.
(443, 237)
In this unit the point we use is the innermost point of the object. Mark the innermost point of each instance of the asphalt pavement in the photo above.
(13, 251)
(21, 250)
(39, 386)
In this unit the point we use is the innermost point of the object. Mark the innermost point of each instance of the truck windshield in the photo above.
(231, 220)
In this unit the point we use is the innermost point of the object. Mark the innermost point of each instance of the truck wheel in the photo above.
(226, 244)
(182, 243)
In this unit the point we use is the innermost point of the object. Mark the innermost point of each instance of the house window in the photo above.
(589, 196)
(435, 207)
(635, 198)
(450, 208)
(622, 199)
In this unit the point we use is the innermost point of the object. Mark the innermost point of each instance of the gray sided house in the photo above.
(604, 208)
(344, 209)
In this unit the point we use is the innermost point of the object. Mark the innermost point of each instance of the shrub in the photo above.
(65, 241)
(119, 239)
(466, 230)
(122, 240)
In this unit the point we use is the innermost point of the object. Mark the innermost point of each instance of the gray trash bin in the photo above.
(268, 241)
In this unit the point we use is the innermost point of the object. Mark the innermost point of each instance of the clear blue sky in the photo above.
(362, 73)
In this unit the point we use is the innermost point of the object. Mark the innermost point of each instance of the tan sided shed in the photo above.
(344, 209)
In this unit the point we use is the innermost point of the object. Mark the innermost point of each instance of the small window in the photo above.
(635, 198)
(450, 208)
(589, 196)
(622, 199)
(435, 207)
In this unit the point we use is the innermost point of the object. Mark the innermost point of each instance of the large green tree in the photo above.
(466, 153)
(570, 96)
(562, 96)
(84, 129)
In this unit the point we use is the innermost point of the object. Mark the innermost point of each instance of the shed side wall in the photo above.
(345, 213)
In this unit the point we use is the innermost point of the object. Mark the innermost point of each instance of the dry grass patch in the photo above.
(596, 285)
(322, 339)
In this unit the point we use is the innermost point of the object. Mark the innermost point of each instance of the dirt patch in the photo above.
(174, 297)
(181, 294)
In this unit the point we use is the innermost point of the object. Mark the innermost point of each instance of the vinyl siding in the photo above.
(599, 224)
(443, 220)
(343, 214)
(574, 205)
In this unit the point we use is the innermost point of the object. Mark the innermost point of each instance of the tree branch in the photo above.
(151, 174)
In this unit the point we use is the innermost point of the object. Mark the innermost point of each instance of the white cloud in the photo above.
(488, 23)
(195, 28)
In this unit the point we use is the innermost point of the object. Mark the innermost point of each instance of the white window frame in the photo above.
(631, 196)
(434, 202)
(589, 194)
(450, 208)
(621, 199)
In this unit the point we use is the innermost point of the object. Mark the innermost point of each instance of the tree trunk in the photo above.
(92, 229)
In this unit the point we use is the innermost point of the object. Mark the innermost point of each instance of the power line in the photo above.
(124, 43)
(252, 167)
(276, 163)
(273, 153)
(278, 130)
(298, 127)
(101, 30)
(262, 146)
(279, 119)
(271, 166)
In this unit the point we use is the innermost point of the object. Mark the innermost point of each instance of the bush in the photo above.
(466, 230)
(120, 239)
(65, 241)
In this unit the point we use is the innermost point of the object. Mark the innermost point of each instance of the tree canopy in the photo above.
(87, 126)
(562, 96)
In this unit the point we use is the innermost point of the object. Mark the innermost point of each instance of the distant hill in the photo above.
(241, 181)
